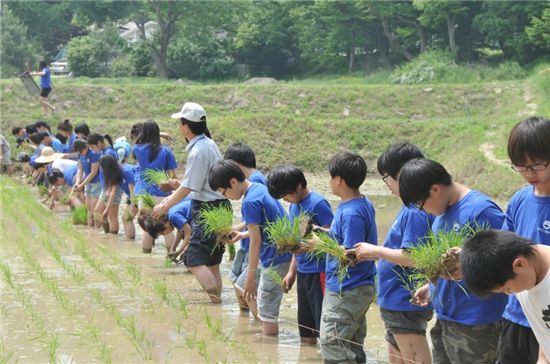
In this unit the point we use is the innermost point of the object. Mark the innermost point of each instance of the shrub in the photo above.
(122, 67)
(428, 67)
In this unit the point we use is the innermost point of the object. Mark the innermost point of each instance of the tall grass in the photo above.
(80, 215)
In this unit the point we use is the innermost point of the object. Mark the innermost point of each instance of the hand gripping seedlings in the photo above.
(287, 235)
(155, 177)
(275, 277)
(218, 221)
(321, 244)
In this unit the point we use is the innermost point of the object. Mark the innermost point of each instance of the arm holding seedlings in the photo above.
(91, 176)
(253, 260)
(422, 296)
(290, 278)
(366, 251)
(163, 207)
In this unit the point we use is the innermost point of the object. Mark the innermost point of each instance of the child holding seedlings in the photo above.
(58, 180)
(467, 328)
(150, 154)
(527, 215)
(258, 209)
(496, 261)
(289, 183)
(244, 156)
(204, 255)
(405, 323)
(347, 299)
(87, 177)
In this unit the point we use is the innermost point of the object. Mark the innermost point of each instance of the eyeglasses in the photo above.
(385, 178)
(534, 167)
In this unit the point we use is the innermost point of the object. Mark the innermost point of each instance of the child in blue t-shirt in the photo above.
(467, 327)
(87, 177)
(289, 183)
(528, 215)
(244, 156)
(405, 322)
(346, 303)
(45, 86)
(258, 209)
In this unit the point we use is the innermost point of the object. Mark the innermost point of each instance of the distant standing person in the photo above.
(45, 86)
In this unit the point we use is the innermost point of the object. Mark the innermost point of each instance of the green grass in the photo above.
(217, 221)
(147, 200)
(275, 277)
(287, 234)
(322, 244)
(80, 215)
(155, 177)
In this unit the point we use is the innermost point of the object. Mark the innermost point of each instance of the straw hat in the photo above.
(48, 155)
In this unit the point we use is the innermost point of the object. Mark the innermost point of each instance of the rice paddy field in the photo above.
(72, 294)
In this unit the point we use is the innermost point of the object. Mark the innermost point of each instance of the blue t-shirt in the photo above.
(180, 213)
(57, 146)
(87, 161)
(257, 177)
(106, 151)
(69, 174)
(68, 146)
(128, 176)
(452, 300)
(37, 152)
(527, 215)
(353, 223)
(408, 230)
(318, 208)
(45, 81)
(164, 161)
(260, 208)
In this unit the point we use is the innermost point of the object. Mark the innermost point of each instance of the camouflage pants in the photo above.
(344, 325)
(454, 343)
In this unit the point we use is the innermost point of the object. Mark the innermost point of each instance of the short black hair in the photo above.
(220, 174)
(416, 178)
(66, 126)
(42, 124)
(242, 154)
(16, 129)
(153, 226)
(395, 156)
(42, 64)
(79, 145)
(54, 175)
(486, 259)
(351, 167)
(30, 129)
(284, 180)
(529, 139)
(37, 138)
(82, 128)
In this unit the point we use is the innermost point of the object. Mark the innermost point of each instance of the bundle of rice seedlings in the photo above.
(287, 235)
(147, 200)
(275, 277)
(155, 177)
(217, 220)
(321, 244)
(80, 215)
(43, 190)
(65, 198)
(439, 255)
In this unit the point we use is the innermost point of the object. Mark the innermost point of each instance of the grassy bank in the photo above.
(305, 122)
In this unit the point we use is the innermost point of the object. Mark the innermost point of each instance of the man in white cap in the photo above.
(203, 256)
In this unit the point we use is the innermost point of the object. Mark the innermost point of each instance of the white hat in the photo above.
(48, 155)
(192, 112)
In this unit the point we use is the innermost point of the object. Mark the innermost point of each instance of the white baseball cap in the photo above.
(192, 112)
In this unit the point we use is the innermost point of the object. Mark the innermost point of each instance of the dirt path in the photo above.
(488, 150)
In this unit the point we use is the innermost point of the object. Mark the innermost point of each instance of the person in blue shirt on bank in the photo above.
(245, 157)
(289, 183)
(46, 86)
(87, 177)
(258, 209)
(405, 322)
(151, 154)
(528, 215)
(345, 304)
(467, 329)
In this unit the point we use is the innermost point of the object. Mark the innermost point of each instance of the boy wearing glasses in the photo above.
(405, 322)
(528, 215)
(258, 209)
(467, 329)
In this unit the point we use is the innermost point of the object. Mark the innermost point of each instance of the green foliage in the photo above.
(141, 60)
(155, 177)
(122, 67)
(539, 31)
(80, 215)
(322, 244)
(285, 234)
(217, 220)
(147, 200)
(426, 68)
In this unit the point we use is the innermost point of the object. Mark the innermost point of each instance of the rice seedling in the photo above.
(147, 200)
(321, 244)
(5, 354)
(53, 343)
(287, 234)
(214, 326)
(275, 277)
(155, 177)
(217, 221)
(80, 215)
(43, 190)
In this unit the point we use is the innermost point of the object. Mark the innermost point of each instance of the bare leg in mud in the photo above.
(412, 349)
(206, 276)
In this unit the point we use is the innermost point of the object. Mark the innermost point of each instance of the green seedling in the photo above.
(147, 200)
(321, 244)
(287, 235)
(275, 277)
(53, 342)
(217, 221)
(155, 177)
(43, 190)
(80, 215)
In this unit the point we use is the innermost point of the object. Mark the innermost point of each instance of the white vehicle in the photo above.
(60, 65)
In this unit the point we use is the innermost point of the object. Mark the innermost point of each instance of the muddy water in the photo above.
(172, 339)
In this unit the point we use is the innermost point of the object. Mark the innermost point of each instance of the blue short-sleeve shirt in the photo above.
(257, 177)
(527, 215)
(318, 208)
(353, 223)
(180, 213)
(452, 300)
(46, 80)
(260, 208)
(87, 160)
(164, 161)
(408, 230)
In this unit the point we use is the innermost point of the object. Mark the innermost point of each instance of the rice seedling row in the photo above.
(5, 353)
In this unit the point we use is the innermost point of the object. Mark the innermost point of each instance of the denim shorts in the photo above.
(92, 190)
(105, 197)
(270, 294)
(404, 322)
(240, 264)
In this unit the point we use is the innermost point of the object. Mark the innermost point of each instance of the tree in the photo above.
(17, 53)
(539, 31)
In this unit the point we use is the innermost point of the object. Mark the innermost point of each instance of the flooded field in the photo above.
(76, 295)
